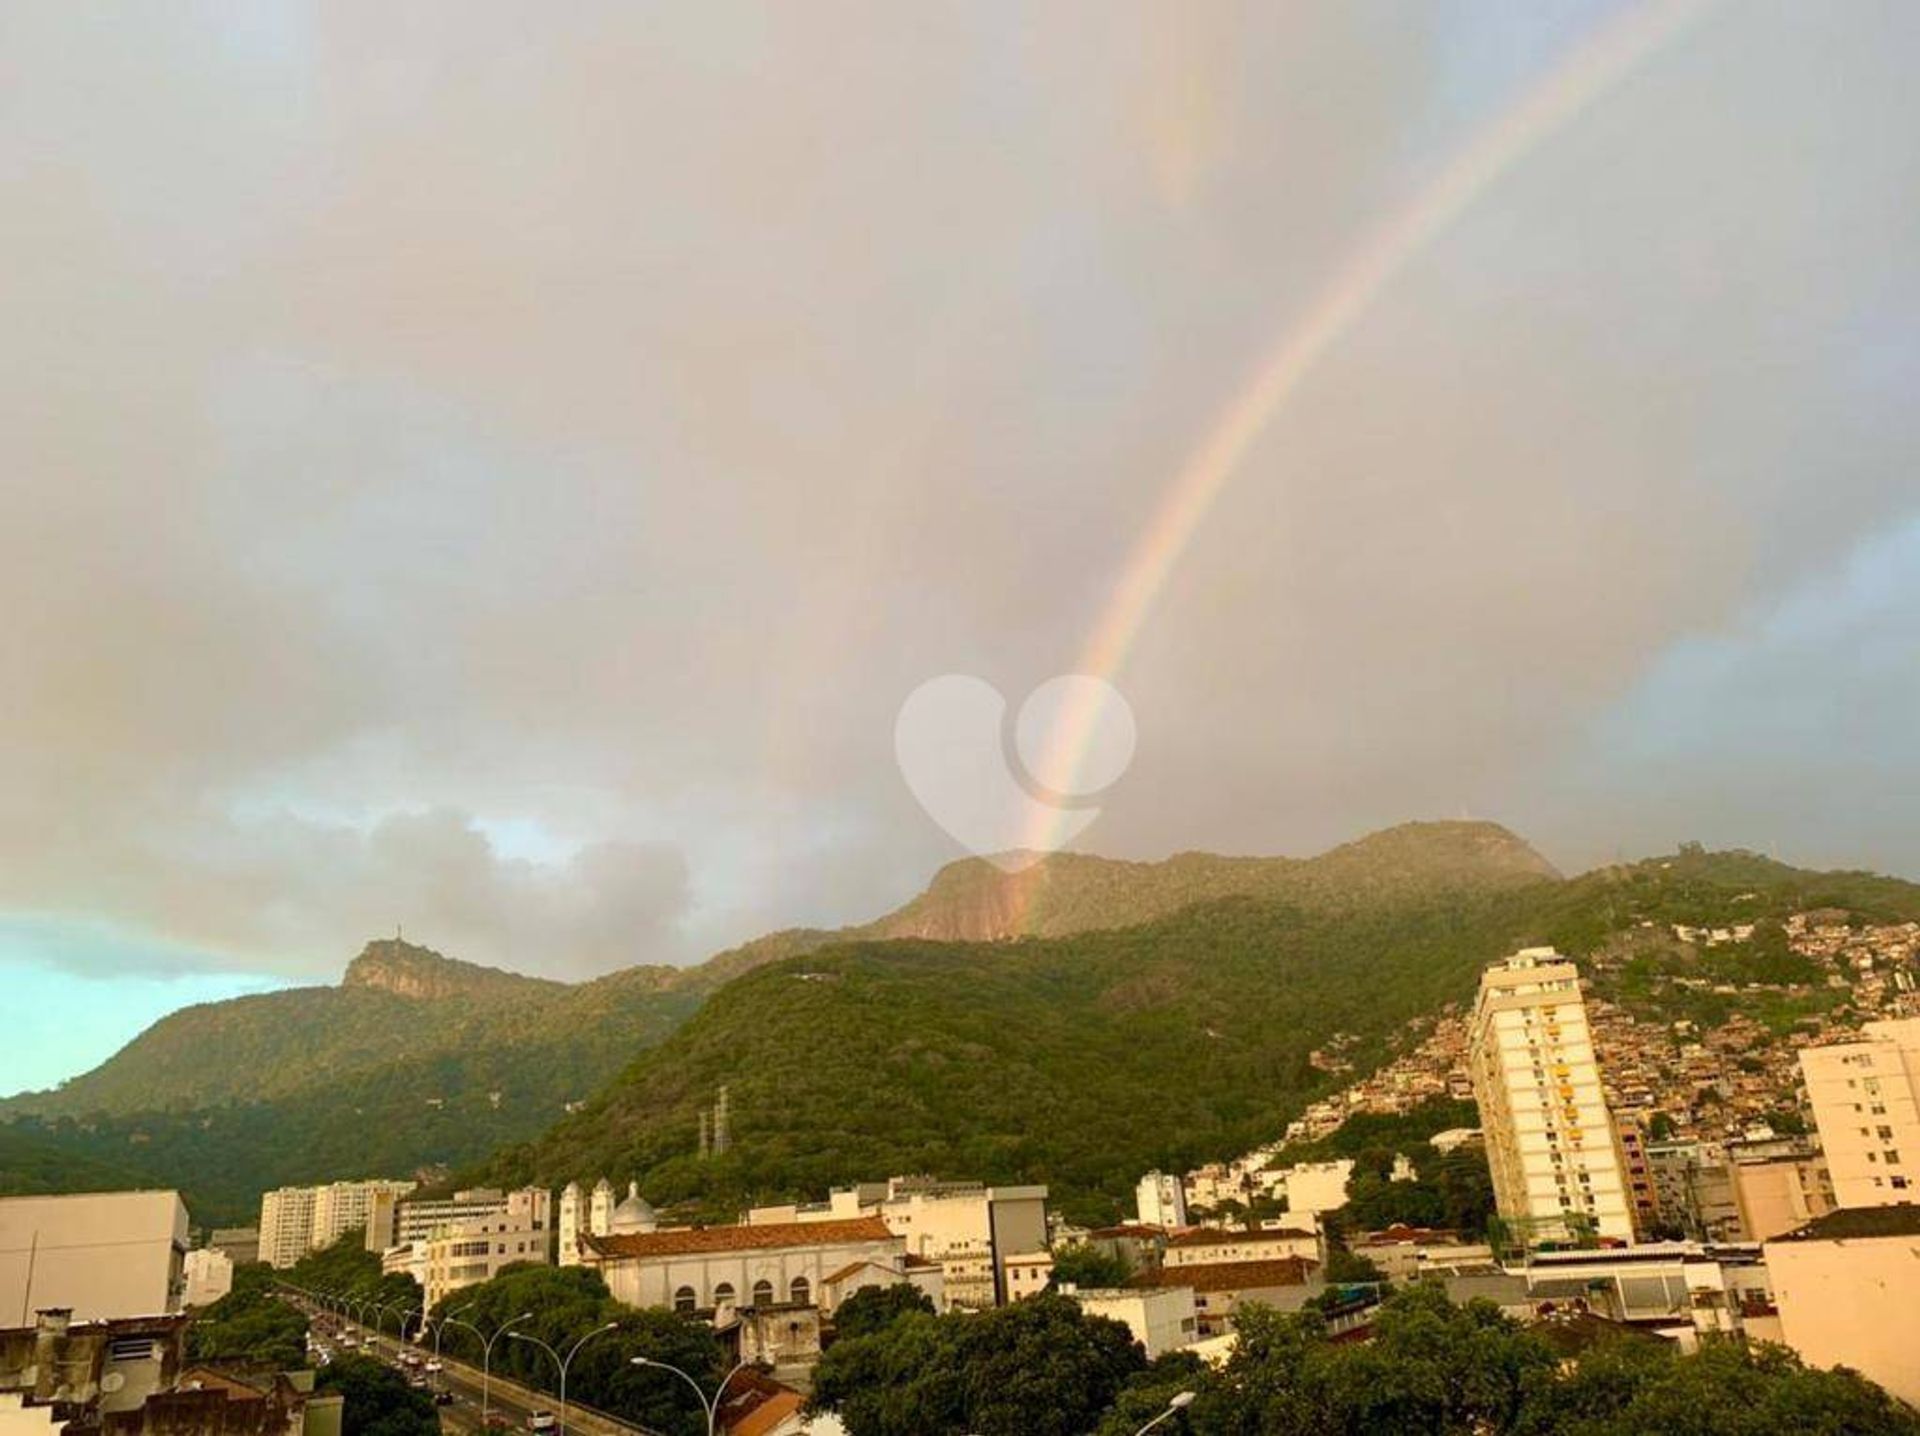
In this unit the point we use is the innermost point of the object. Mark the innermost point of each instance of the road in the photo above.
(509, 1403)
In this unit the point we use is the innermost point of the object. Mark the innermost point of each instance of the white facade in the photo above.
(1865, 1097)
(1162, 1200)
(596, 1214)
(297, 1220)
(1207, 1247)
(968, 1228)
(209, 1276)
(707, 1268)
(101, 1255)
(1314, 1187)
(286, 1226)
(1161, 1318)
(1550, 1140)
(1028, 1274)
(461, 1243)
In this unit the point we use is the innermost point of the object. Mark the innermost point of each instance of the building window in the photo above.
(684, 1301)
(723, 1294)
(763, 1293)
(799, 1291)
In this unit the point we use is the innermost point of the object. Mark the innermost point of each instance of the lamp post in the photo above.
(710, 1406)
(486, 1356)
(1181, 1401)
(564, 1362)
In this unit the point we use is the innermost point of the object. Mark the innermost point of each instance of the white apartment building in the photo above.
(461, 1243)
(970, 1229)
(1865, 1097)
(1550, 1140)
(1162, 1200)
(100, 1256)
(528, 1208)
(297, 1220)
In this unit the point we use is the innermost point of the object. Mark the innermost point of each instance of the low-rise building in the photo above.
(98, 1255)
(241, 1244)
(1028, 1274)
(1682, 1290)
(922, 1275)
(706, 1268)
(209, 1276)
(1220, 1289)
(80, 1371)
(969, 1228)
(1161, 1318)
(1137, 1245)
(1314, 1186)
(1847, 1286)
(1403, 1252)
(1209, 1246)
(1780, 1194)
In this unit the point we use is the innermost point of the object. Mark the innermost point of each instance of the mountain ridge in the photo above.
(409, 1037)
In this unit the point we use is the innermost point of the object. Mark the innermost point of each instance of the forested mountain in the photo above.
(416, 1059)
(1163, 1014)
(1085, 1060)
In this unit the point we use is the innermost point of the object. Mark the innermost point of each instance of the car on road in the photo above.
(542, 1421)
(443, 1397)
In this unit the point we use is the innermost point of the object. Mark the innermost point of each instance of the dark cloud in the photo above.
(499, 470)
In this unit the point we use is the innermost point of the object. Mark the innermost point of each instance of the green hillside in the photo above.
(32, 1166)
(1084, 1060)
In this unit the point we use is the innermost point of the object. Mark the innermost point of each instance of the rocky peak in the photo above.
(406, 970)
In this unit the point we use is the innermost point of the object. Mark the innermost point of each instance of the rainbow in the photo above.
(1597, 64)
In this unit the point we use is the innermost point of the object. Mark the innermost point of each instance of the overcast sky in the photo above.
(500, 469)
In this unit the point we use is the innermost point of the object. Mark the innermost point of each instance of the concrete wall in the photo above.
(1852, 1302)
(103, 1254)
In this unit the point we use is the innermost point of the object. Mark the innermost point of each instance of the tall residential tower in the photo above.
(1557, 1171)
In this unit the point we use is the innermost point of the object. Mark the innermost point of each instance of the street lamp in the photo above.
(1180, 1402)
(711, 1407)
(565, 1362)
(486, 1355)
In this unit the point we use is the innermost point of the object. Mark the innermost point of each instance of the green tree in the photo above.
(565, 1303)
(1089, 1267)
(1040, 1367)
(250, 1324)
(378, 1400)
(873, 1307)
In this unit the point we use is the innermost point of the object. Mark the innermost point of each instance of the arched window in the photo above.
(800, 1291)
(763, 1293)
(684, 1300)
(723, 1294)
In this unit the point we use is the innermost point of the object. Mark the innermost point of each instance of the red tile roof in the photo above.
(734, 1239)
(768, 1414)
(1234, 1275)
(1212, 1237)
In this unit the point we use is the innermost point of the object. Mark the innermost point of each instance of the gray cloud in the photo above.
(417, 428)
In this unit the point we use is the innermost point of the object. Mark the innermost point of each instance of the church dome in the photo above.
(633, 1214)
